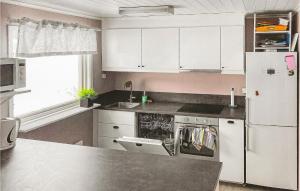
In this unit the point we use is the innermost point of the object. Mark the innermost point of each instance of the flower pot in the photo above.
(86, 102)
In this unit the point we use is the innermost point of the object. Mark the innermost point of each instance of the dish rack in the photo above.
(155, 126)
(272, 32)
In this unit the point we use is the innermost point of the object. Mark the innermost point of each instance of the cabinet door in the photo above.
(110, 143)
(160, 50)
(271, 157)
(200, 48)
(121, 50)
(231, 137)
(143, 145)
(115, 130)
(116, 117)
(232, 50)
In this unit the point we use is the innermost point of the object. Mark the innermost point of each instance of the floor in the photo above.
(235, 187)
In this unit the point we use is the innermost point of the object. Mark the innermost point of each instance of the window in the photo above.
(53, 81)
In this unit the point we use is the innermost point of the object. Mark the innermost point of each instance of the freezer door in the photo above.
(142, 145)
(271, 156)
(272, 97)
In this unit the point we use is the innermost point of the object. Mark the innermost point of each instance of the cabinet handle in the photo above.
(143, 66)
(139, 66)
(115, 141)
(230, 122)
(138, 144)
(180, 66)
(116, 127)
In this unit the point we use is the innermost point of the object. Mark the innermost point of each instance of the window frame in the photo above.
(85, 81)
(42, 113)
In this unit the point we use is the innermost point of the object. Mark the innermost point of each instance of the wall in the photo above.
(16, 12)
(74, 128)
(70, 130)
(189, 82)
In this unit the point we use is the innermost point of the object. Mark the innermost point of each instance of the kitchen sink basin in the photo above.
(126, 105)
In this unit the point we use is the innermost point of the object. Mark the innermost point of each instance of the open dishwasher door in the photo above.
(143, 145)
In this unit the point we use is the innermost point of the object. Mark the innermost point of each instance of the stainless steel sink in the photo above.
(126, 105)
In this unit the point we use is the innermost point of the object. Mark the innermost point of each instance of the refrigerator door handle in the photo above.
(247, 138)
(247, 124)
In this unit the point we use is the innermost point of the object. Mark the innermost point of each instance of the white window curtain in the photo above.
(48, 38)
(87, 71)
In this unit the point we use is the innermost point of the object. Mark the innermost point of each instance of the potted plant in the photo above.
(86, 97)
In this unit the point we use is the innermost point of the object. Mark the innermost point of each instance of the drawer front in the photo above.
(116, 117)
(231, 123)
(109, 143)
(114, 130)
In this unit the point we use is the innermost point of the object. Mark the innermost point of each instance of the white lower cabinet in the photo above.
(110, 143)
(271, 157)
(113, 125)
(115, 130)
(116, 117)
(231, 138)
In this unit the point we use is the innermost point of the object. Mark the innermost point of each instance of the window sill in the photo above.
(46, 120)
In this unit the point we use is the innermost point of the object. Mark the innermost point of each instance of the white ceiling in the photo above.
(109, 8)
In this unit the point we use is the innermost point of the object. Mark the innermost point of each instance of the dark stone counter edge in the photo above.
(224, 116)
(109, 98)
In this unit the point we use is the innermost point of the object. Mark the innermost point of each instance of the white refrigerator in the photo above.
(271, 120)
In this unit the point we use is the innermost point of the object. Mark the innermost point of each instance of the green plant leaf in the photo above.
(86, 93)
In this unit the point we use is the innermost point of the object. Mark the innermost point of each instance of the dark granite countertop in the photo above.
(169, 103)
(36, 165)
(172, 108)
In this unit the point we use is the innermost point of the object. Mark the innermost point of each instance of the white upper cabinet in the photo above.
(200, 48)
(232, 49)
(160, 49)
(121, 49)
(172, 49)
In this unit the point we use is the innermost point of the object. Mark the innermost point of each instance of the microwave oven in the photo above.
(12, 74)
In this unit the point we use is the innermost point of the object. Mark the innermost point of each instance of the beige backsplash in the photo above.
(188, 82)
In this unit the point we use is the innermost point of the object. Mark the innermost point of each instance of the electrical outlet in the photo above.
(103, 76)
(244, 91)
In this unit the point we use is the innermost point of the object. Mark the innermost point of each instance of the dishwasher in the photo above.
(155, 135)
(175, 136)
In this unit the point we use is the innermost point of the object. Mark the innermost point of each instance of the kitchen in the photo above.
(165, 73)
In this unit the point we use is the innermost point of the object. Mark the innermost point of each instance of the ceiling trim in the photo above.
(52, 8)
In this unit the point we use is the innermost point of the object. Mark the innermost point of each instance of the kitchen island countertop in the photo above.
(36, 165)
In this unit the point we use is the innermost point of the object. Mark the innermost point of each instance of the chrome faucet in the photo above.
(128, 84)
